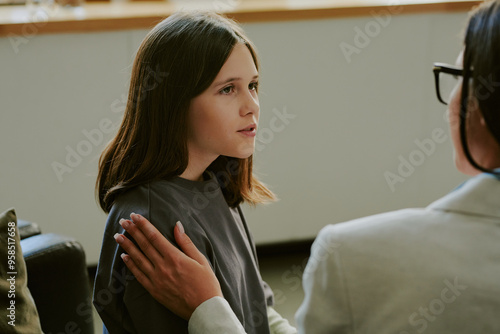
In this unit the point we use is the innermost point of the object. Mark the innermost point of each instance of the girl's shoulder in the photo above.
(153, 200)
(145, 192)
(145, 197)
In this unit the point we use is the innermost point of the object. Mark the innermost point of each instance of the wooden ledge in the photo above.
(106, 16)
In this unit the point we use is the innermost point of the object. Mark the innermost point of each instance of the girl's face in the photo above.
(223, 119)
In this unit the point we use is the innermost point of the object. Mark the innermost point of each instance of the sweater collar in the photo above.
(208, 186)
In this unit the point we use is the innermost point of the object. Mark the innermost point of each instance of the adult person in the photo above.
(432, 270)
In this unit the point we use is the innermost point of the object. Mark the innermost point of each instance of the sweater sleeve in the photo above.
(122, 302)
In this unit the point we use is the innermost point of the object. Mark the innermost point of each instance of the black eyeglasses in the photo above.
(446, 78)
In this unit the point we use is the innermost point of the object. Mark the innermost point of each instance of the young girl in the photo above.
(184, 153)
(432, 270)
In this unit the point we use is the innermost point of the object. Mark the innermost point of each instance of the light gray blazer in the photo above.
(434, 271)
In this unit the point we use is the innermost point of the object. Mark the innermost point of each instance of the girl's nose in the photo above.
(250, 105)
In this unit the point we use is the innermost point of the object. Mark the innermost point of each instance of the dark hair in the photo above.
(482, 65)
(177, 61)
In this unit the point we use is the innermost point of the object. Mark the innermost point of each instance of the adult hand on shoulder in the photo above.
(179, 281)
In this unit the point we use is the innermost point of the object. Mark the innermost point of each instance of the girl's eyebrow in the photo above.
(231, 80)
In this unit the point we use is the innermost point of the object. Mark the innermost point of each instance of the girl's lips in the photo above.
(250, 127)
(248, 133)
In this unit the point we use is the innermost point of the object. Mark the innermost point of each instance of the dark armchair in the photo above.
(58, 280)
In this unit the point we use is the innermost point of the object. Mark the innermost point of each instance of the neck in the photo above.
(197, 164)
(193, 175)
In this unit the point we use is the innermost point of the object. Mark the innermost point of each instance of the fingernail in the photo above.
(134, 215)
(181, 228)
(124, 223)
(124, 257)
(118, 237)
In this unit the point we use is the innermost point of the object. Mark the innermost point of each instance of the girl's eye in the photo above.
(227, 90)
(253, 86)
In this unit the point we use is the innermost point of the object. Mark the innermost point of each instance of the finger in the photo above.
(187, 246)
(143, 242)
(137, 272)
(135, 254)
(153, 236)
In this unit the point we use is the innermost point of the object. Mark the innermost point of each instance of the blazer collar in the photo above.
(477, 196)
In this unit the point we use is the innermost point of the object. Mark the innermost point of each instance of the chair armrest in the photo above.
(58, 281)
(27, 229)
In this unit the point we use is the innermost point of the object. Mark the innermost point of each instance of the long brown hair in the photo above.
(176, 62)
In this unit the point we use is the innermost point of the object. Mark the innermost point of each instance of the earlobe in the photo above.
(475, 113)
(481, 119)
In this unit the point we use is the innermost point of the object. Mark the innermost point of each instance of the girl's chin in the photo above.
(244, 156)
(241, 155)
(243, 152)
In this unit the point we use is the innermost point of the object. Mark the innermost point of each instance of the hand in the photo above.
(179, 281)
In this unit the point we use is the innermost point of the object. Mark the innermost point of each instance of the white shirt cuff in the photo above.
(214, 316)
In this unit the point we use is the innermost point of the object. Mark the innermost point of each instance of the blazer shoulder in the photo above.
(376, 224)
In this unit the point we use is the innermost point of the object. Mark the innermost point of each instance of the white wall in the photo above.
(352, 121)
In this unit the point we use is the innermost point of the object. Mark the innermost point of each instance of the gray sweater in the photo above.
(219, 232)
